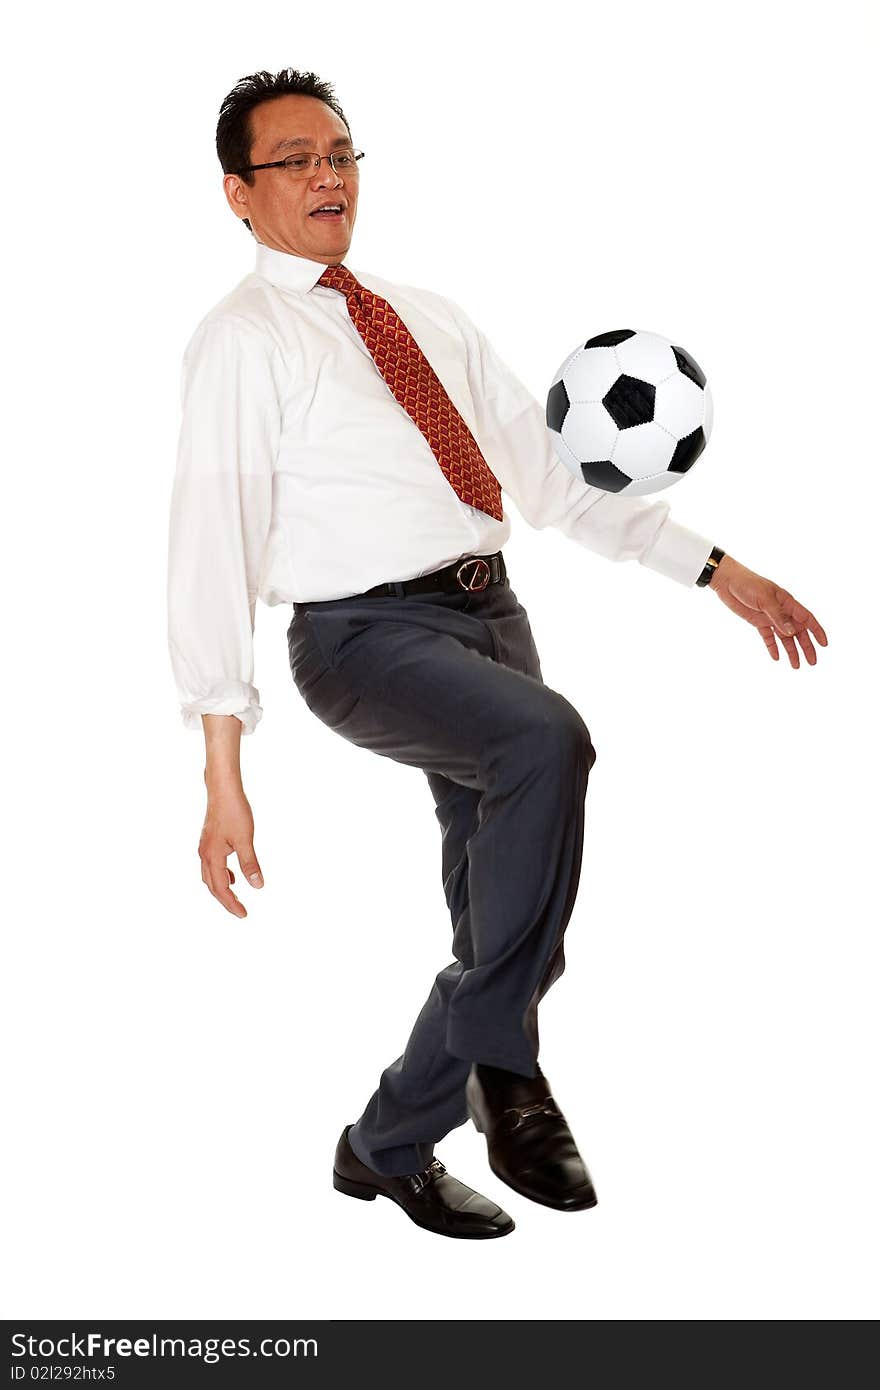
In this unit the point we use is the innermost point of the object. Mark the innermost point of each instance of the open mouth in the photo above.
(328, 212)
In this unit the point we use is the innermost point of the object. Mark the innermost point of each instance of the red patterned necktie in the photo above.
(414, 383)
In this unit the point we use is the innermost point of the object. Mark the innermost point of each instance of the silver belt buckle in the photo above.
(480, 572)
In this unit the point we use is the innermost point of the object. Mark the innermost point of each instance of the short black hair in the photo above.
(234, 138)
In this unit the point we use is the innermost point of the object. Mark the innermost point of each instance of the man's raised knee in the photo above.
(559, 729)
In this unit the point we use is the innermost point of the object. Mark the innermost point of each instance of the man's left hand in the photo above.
(768, 607)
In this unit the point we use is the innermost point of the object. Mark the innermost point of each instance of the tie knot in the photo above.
(339, 277)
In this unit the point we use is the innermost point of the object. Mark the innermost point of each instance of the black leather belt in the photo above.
(471, 573)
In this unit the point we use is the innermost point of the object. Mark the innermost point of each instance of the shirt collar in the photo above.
(290, 271)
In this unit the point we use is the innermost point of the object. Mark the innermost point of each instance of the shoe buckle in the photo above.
(520, 1114)
(435, 1169)
(479, 576)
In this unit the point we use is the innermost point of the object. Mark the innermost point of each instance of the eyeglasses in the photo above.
(304, 163)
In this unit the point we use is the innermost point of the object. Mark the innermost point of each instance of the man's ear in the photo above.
(235, 194)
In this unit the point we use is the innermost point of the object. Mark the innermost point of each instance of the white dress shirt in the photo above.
(300, 477)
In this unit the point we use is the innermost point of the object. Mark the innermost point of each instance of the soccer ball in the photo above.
(629, 412)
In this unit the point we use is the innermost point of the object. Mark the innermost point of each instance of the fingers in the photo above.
(779, 607)
(770, 641)
(798, 624)
(788, 643)
(793, 619)
(809, 649)
(218, 878)
(249, 866)
(816, 628)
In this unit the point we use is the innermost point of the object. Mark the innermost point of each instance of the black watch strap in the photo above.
(711, 565)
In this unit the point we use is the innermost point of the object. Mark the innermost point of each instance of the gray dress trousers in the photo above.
(451, 683)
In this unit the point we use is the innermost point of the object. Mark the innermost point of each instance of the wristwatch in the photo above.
(711, 565)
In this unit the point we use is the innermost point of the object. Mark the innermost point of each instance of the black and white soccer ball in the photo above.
(629, 412)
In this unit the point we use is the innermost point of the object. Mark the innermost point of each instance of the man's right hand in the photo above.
(228, 829)
(229, 821)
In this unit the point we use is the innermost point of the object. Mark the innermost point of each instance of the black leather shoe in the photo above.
(530, 1145)
(432, 1199)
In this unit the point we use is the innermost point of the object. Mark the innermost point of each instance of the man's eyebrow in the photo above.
(305, 140)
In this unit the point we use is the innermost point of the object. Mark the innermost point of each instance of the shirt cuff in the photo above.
(677, 552)
(232, 697)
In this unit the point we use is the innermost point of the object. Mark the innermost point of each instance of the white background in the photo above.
(177, 1079)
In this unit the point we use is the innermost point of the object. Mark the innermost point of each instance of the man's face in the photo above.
(278, 206)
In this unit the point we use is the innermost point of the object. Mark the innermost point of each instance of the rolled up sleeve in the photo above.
(220, 515)
(512, 432)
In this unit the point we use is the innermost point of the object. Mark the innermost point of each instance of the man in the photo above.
(344, 445)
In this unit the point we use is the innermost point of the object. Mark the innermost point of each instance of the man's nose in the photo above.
(326, 174)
